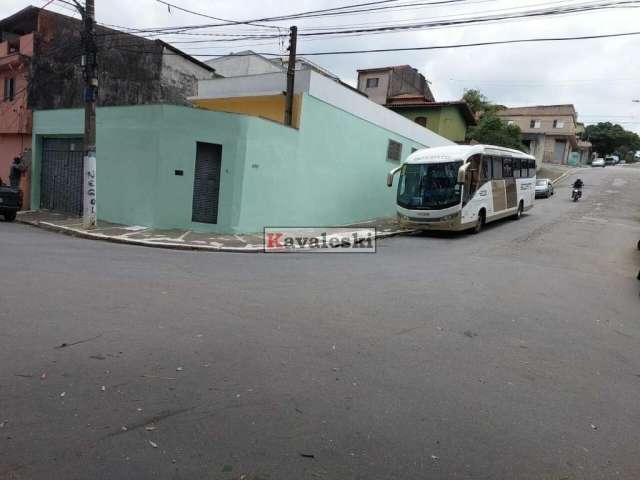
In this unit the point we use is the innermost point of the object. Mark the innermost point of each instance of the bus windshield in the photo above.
(431, 186)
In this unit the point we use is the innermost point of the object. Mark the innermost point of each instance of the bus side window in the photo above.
(507, 167)
(532, 168)
(497, 168)
(486, 168)
(517, 165)
(476, 166)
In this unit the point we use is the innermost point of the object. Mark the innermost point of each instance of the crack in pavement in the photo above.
(67, 345)
(147, 421)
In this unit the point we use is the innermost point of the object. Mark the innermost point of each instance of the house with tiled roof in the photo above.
(551, 132)
(406, 91)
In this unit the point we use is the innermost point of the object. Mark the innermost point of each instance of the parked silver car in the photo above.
(544, 188)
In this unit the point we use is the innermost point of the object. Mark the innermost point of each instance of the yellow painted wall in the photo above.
(269, 106)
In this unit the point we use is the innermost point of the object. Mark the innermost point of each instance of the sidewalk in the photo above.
(555, 172)
(174, 239)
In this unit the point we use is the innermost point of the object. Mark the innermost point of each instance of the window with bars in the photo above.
(9, 89)
(373, 82)
(394, 151)
(421, 121)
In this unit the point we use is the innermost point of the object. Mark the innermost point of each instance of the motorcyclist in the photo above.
(578, 184)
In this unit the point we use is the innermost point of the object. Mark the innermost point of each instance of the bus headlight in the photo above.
(449, 217)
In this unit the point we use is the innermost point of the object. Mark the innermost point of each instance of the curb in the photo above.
(123, 241)
(565, 174)
(168, 245)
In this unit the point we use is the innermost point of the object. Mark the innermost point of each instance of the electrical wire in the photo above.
(299, 15)
(346, 9)
(528, 14)
(390, 28)
(432, 47)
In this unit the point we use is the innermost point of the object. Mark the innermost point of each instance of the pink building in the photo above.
(15, 116)
(40, 70)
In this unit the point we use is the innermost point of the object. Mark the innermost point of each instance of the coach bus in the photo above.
(463, 187)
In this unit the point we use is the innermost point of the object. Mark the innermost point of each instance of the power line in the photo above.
(540, 82)
(525, 14)
(390, 28)
(433, 47)
(346, 9)
(333, 27)
(229, 22)
(299, 15)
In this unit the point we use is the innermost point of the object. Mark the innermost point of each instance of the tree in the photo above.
(478, 103)
(608, 138)
(492, 130)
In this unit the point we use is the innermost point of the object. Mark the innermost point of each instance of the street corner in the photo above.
(309, 239)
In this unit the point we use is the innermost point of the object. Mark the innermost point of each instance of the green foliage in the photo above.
(492, 130)
(608, 138)
(476, 100)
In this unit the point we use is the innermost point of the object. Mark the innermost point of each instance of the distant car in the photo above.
(611, 160)
(622, 162)
(598, 162)
(544, 188)
(10, 201)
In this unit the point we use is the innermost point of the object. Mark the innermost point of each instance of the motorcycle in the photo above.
(576, 194)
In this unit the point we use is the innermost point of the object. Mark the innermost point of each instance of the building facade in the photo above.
(449, 119)
(216, 171)
(248, 62)
(243, 63)
(40, 69)
(549, 131)
(406, 91)
(16, 50)
(381, 84)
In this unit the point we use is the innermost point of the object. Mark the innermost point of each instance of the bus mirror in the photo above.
(390, 176)
(389, 180)
(462, 173)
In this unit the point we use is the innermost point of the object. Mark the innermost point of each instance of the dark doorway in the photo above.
(206, 183)
(61, 175)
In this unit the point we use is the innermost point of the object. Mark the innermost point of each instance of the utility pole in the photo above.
(89, 62)
(291, 76)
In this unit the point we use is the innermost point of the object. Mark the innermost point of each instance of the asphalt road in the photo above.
(508, 355)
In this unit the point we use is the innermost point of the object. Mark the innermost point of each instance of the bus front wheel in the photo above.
(480, 222)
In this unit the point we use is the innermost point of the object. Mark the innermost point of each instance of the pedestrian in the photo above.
(17, 170)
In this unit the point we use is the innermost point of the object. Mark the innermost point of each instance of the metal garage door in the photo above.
(559, 149)
(61, 176)
(206, 183)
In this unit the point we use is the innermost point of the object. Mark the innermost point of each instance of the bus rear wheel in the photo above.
(518, 214)
(479, 223)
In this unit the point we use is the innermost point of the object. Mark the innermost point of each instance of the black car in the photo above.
(10, 201)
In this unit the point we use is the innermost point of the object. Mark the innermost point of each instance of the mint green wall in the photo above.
(331, 171)
(139, 149)
(446, 121)
(452, 124)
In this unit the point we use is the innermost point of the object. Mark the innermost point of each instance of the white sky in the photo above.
(600, 77)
